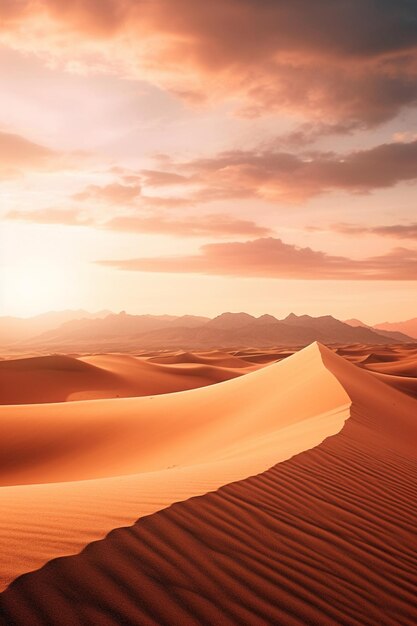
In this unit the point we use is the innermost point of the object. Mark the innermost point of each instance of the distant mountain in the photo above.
(332, 330)
(14, 329)
(115, 325)
(355, 323)
(254, 334)
(391, 334)
(266, 319)
(190, 321)
(123, 332)
(231, 320)
(409, 327)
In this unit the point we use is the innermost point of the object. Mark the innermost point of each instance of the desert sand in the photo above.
(58, 378)
(284, 495)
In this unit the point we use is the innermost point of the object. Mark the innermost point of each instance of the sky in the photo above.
(200, 157)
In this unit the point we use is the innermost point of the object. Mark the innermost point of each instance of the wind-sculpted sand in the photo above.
(286, 495)
(57, 378)
(394, 365)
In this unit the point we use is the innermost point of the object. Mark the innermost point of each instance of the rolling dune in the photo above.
(394, 365)
(406, 384)
(59, 378)
(216, 357)
(325, 536)
(88, 467)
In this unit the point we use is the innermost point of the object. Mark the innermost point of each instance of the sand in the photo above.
(394, 365)
(282, 496)
(60, 378)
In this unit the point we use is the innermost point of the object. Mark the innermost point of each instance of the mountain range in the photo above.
(81, 331)
(14, 329)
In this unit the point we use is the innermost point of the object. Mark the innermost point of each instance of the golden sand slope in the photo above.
(394, 365)
(101, 464)
(57, 378)
(324, 537)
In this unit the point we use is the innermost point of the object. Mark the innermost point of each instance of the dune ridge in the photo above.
(87, 467)
(324, 536)
(60, 378)
(395, 365)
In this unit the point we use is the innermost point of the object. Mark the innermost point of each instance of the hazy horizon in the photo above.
(209, 316)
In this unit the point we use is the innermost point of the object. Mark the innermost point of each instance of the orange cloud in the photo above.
(319, 58)
(114, 193)
(66, 217)
(277, 175)
(204, 225)
(396, 231)
(157, 178)
(167, 202)
(266, 174)
(18, 155)
(272, 258)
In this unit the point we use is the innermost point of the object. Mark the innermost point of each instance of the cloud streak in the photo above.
(203, 226)
(272, 258)
(19, 155)
(396, 231)
(114, 193)
(278, 175)
(63, 217)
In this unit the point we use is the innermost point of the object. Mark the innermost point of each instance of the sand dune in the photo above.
(101, 464)
(406, 384)
(394, 365)
(405, 366)
(58, 378)
(221, 359)
(325, 536)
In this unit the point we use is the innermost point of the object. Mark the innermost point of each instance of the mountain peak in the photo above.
(231, 320)
(266, 319)
(355, 323)
(291, 316)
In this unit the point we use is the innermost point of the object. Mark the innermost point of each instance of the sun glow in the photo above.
(33, 288)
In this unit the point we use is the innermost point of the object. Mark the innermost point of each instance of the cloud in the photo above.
(277, 175)
(130, 192)
(157, 178)
(330, 26)
(270, 174)
(65, 217)
(114, 193)
(396, 231)
(272, 258)
(204, 225)
(348, 61)
(19, 155)
(166, 202)
(127, 188)
(405, 136)
(309, 132)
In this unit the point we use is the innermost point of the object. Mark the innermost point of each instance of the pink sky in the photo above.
(196, 157)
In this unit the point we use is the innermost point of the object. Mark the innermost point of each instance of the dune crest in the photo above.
(325, 536)
(88, 467)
